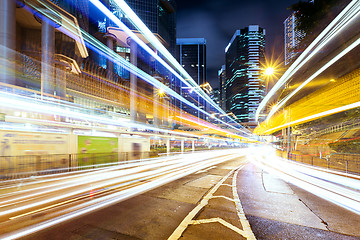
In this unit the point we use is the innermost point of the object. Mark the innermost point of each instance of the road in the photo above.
(215, 202)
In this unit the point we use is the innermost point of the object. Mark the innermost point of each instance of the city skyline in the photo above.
(217, 21)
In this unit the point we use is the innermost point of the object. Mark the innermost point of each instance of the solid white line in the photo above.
(240, 211)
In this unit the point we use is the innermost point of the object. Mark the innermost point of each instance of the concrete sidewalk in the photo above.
(277, 210)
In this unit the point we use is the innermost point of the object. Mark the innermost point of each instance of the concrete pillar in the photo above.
(168, 145)
(47, 57)
(193, 145)
(133, 80)
(7, 41)
(110, 39)
(61, 74)
(182, 145)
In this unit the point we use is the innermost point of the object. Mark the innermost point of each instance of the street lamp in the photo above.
(269, 71)
(161, 92)
(161, 97)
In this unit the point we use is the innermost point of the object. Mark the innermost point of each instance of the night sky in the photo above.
(217, 20)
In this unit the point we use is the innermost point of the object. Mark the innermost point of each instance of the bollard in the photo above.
(69, 162)
(346, 166)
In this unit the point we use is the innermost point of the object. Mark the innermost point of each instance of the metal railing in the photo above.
(344, 162)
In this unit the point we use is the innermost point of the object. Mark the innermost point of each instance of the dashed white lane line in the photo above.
(247, 232)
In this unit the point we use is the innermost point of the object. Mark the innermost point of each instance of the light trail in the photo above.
(25, 103)
(119, 185)
(335, 28)
(148, 78)
(317, 73)
(94, 44)
(341, 189)
(136, 21)
(315, 116)
(93, 177)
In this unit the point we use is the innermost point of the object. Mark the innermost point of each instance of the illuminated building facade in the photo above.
(244, 88)
(159, 16)
(292, 38)
(191, 54)
(222, 82)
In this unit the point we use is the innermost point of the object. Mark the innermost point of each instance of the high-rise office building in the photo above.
(244, 87)
(191, 54)
(222, 82)
(158, 15)
(292, 38)
(215, 96)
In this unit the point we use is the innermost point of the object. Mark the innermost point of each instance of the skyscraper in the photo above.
(244, 87)
(292, 38)
(159, 16)
(222, 82)
(191, 54)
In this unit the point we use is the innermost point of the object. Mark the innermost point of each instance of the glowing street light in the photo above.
(161, 92)
(269, 71)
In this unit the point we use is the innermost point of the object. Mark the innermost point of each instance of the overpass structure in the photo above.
(313, 109)
(324, 79)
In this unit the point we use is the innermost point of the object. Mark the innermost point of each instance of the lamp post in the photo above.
(161, 97)
(269, 72)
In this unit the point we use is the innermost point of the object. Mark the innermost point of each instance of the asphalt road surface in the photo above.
(218, 202)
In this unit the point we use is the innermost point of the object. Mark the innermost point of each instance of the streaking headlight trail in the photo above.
(341, 189)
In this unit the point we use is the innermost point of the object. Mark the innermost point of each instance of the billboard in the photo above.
(29, 151)
(97, 150)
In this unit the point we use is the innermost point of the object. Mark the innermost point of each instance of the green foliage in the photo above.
(310, 13)
(352, 146)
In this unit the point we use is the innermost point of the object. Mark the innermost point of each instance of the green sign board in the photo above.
(96, 150)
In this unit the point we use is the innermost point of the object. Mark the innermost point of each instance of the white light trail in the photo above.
(106, 52)
(154, 41)
(335, 28)
(25, 103)
(169, 171)
(317, 73)
(332, 187)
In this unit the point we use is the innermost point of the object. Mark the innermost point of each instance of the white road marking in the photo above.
(227, 198)
(246, 232)
(225, 184)
(240, 211)
(187, 220)
(221, 221)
